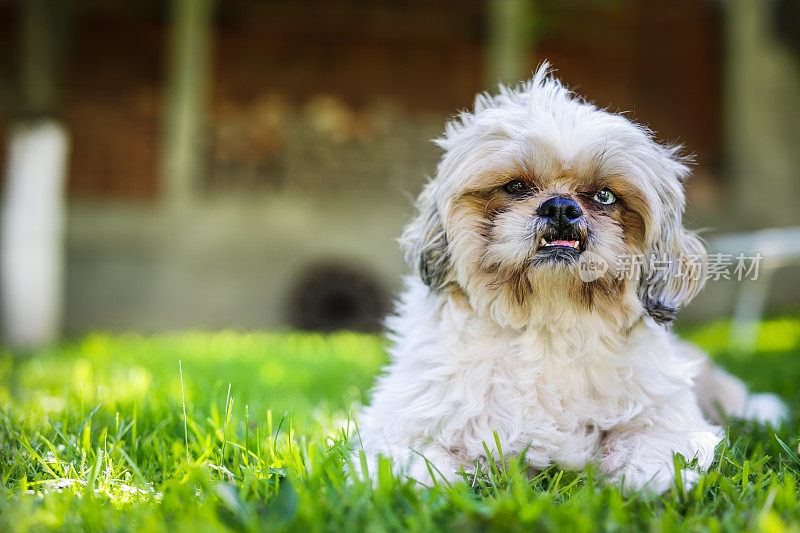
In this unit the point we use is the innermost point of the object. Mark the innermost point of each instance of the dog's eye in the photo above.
(605, 197)
(516, 187)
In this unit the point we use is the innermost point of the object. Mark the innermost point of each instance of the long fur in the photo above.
(491, 335)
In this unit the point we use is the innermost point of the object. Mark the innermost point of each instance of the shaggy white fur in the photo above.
(497, 333)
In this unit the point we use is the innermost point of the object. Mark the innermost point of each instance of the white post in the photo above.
(32, 228)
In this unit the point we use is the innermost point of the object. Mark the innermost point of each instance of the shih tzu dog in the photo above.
(500, 330)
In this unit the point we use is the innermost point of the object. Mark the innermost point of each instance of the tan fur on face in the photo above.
(501, 233)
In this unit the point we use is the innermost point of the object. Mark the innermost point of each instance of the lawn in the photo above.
(93, 437)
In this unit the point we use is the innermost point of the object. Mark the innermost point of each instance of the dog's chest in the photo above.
(546, 395)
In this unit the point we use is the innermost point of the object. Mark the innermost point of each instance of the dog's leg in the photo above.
(721, 395)
(640, 453)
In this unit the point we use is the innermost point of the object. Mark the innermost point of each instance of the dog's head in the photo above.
(532, 182)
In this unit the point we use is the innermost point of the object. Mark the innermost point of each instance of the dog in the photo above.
(500, 331)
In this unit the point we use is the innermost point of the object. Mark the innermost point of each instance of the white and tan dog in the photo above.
(499, 332)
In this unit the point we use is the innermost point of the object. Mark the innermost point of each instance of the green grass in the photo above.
(93, 437)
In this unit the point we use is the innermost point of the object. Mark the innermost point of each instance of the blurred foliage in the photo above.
(92, 437)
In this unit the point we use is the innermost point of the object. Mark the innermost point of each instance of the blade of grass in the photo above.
(792, 455)
(183, 402)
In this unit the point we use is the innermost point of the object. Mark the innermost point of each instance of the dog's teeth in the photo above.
(544, 242)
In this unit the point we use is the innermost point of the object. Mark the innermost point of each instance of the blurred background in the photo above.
(250, 163)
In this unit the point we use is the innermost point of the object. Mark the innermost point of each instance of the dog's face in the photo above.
(532, 181)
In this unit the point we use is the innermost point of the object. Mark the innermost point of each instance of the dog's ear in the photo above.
(424, 242)
(673, 273)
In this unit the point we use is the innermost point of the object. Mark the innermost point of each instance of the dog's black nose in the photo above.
(560, 210)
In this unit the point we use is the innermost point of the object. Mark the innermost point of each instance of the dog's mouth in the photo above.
(560, 243)
(562, 246)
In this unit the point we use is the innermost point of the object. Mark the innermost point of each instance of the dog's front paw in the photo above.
(646, 460)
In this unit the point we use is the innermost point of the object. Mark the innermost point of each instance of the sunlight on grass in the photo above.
(777, 335)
